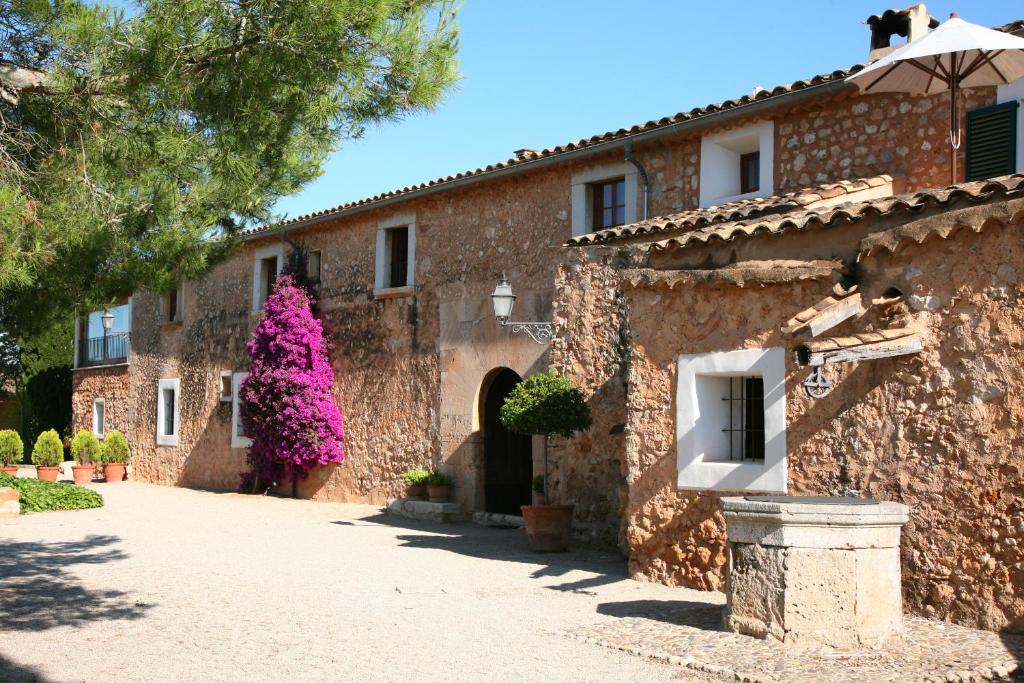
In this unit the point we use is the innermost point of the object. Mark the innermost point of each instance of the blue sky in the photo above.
(538, 73)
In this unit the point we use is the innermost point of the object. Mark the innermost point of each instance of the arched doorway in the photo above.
(508, 457)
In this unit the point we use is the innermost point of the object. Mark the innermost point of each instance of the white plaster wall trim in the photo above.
(698, 467)
(163, 439)
(99, 417)
(1008, 93)
(259, 254)
(381, 266)
(720, 165)
(237, 441)
(582, 207)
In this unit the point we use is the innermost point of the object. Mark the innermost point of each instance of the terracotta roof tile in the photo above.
(975, 192)
(752, 272)
(744, 209)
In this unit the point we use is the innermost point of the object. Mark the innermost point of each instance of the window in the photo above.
(97, 346)
(226, 389)
(991, 141)
(172, 306)
(167, 416)
(238, 436)
(750, 172)
(731, 421)
(609, 199)
(313, 267)
(604, 196)
(267, 264)
(737, 164)
(99, 416)
(1014, 92)
(396, 256)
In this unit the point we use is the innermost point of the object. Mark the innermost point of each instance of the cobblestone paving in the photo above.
(690, 634)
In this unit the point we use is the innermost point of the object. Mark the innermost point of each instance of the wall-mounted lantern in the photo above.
(504, 299)
(107, 319)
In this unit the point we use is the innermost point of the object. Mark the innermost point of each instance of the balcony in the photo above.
(110, 349)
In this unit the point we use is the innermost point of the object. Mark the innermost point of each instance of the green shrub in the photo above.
(538, 484)
(12, 450)
(415, 477)
(85, 448)
(436, 478)
(115, 448)
(48, 451)
(40, 496)
(545, 404)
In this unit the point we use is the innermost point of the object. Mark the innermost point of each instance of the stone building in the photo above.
(682, 262)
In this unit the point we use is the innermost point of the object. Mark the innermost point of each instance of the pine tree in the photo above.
(288, 410)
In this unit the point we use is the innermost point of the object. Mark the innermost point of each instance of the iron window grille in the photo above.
(745, 429)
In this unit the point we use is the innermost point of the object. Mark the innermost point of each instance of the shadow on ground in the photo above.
(16, 673)
(507, 545)
(677, 612)
(38, 591)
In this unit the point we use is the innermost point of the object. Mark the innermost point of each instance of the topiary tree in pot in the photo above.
(12, 450)
(115, 454)
(288, 408)
(85, 450)
(48, 454)
(546, 404)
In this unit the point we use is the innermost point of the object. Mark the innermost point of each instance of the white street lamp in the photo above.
(107, 319)
(504, 300)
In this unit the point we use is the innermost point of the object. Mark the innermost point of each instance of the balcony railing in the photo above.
(107, 350)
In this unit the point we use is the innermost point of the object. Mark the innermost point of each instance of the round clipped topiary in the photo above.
(11, 447)
(48, 451)
(546, 404)
(115, 448)
(85, 448)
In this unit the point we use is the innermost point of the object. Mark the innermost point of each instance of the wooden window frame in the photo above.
(618, 201)
(745, 185)
(398, 257)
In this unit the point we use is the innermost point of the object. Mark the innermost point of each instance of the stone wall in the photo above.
(938, 431)
(113, 385)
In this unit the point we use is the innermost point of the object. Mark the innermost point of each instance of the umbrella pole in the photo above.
(954, 121)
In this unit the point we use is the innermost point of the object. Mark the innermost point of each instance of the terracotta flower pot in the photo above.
(113, 471)
(47, 473)
(9, 469)
(547, 527)
(439, 494)
(83, 473)
(415, 492)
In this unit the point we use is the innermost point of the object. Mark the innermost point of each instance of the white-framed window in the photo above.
(731, 420)
(227, 389)
(737, 164)
(395, 271)
(172, 305)
(99, 416)
(168, 419)
(267, 265)
(603, 196)
(239, 439)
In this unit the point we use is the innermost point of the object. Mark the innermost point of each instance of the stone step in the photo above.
(424, 510)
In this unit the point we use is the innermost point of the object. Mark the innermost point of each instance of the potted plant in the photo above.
(47, 455)
(415, 484)
(115, 454)
(546, 404)
(439, 487)
(11, 451)
(85, 450)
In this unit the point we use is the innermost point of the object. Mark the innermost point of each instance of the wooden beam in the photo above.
(824, 315)
(864, 346)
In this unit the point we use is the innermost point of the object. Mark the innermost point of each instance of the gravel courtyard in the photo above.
(172, 584)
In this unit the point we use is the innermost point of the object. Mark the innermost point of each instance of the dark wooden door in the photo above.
(508, 457)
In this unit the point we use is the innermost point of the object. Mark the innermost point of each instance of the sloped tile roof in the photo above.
(753, 272)
(743, 209)
(527, 155)
(976, 192)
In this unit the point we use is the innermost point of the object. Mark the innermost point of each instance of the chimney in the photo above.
(910, 23)
(525, 153)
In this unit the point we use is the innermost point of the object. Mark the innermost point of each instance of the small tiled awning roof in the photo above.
(744, 209)
(749, 272)
(974, 193)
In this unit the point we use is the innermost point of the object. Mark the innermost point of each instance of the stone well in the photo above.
(814, 571)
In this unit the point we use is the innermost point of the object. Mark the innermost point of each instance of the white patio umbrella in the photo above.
(957, 54)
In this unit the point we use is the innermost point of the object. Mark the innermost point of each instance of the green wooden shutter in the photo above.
(992, 141)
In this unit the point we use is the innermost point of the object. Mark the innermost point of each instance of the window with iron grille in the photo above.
(744, 429)
(609, 199)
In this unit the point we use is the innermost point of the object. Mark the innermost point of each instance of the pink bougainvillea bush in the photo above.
(286, 403)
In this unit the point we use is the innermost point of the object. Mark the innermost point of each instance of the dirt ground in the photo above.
(168, 584)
